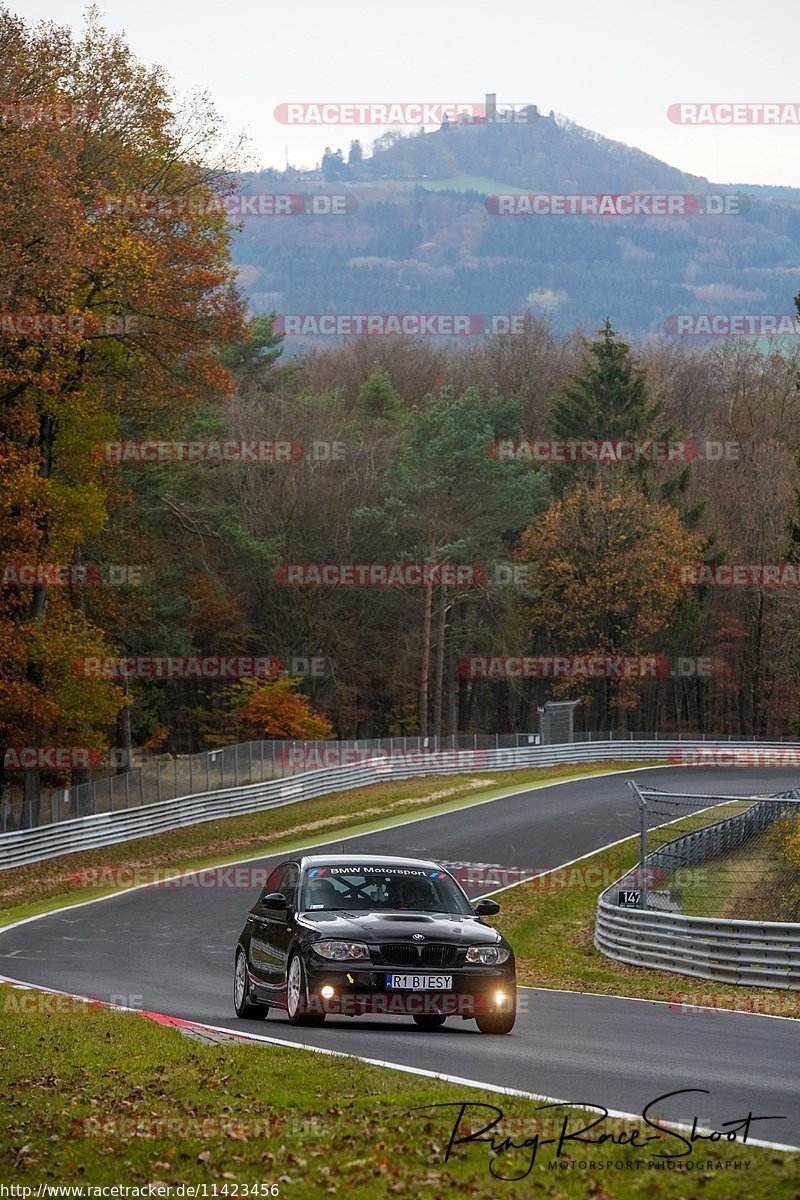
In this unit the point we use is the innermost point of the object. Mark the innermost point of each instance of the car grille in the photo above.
(402, 954)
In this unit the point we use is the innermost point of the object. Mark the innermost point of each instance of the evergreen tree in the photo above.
(608, 401)
(377, 397)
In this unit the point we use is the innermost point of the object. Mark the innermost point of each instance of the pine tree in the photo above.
(609, 401)
(377, 397)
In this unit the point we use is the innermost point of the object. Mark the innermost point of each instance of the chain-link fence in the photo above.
(254, 762)
(229, 766)
(732, 857)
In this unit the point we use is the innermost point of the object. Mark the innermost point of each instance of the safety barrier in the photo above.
(103, 829)
(753, 953)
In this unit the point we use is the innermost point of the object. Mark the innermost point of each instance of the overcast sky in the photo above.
(614, 68)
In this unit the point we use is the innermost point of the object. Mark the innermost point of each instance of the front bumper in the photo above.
(356, 991)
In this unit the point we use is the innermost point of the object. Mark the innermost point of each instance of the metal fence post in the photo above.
(642, 841)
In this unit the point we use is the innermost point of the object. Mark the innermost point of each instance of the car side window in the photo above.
(287, 882)
(273, 882)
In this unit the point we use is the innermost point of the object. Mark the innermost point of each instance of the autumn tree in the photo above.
(605, 567)
(143, 291)
(276, 709)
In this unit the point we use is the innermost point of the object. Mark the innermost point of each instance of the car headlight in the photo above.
(490, 956)
(342, 950)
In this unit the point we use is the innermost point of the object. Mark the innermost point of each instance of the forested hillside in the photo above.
(125, 330)
(419, 237)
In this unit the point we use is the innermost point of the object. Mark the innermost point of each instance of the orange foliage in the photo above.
(276, 710)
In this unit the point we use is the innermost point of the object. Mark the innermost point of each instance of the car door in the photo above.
(272, 930)
(262, 958)
(281, 923)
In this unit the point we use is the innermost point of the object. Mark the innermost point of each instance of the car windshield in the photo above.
(362, 889)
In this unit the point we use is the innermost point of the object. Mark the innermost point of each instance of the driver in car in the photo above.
(414, 894)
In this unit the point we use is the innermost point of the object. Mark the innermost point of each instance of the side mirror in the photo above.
(275, 900)
(486, 907)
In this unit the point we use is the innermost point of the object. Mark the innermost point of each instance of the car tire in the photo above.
(297, 995)
(244, 1009)
(430, 1020)
(502, 1022)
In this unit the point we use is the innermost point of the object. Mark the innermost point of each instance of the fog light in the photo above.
(500, 998)
(327, 992)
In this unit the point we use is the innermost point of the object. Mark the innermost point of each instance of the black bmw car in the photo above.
(348, 934)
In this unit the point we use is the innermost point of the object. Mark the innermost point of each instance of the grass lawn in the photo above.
(39, 887)
(99, 1097)
(729, 878)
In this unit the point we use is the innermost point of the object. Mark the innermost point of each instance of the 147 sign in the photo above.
(629, 899)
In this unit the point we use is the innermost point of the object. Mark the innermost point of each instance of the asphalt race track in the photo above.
(170, 950)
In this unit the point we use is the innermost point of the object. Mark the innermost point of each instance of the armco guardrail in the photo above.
(82, 833)
(762, 953)
(233, 766)
(174, 777)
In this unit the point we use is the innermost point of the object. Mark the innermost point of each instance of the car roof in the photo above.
(367, 860)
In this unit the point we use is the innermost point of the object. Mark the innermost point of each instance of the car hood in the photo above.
(400, 927)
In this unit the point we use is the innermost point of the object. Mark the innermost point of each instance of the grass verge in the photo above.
(730, 878)
(550, 923)
(98, 1097)
(40, 887)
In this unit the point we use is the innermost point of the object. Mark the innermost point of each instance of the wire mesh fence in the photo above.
(732, 857)
(238, 765)
(229, 766)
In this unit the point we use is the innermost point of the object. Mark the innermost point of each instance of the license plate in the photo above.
(420, 983)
